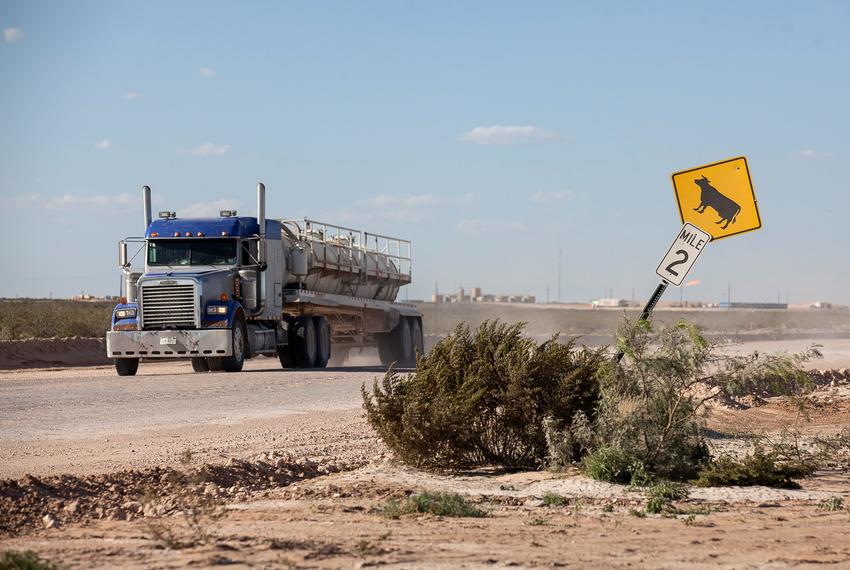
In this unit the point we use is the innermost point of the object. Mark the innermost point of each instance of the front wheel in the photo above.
(126, 366)
(304, 342)
(239, 347)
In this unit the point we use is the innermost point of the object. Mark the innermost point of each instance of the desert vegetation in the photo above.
(481, 399)
(496, 397)
(49, 318)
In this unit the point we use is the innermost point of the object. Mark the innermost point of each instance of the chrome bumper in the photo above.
(168, 344)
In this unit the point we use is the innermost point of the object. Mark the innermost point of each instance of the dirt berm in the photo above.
(52, 352)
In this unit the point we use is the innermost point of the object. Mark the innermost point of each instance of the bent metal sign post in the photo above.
(731, 198)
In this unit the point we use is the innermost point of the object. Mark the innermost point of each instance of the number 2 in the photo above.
(684, 255)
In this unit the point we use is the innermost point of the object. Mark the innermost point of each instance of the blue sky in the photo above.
(491, 134)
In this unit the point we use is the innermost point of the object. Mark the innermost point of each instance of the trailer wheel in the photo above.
(215, 364)
(385, 349)
(239, 347)
(304, 342)
(200, 365)
(323, 341)
(417, 338)
(126, 366)
(402, 343)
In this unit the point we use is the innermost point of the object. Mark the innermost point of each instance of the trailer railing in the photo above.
(354, 251)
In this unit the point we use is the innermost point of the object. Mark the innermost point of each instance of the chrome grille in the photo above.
(168, 306)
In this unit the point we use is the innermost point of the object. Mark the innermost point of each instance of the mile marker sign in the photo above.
(689, 243)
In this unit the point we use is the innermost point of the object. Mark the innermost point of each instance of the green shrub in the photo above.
(29, 560)
(609, 464)
(661, 495)
(48, 318)
(439, 504)
(650, 417)
(834, 503)
(551, 499)
(484, 398)
(756, 468)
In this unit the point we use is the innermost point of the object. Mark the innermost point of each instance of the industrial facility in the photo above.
(475, 295)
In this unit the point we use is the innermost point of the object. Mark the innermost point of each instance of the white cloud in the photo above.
(488, 225)
(206, 72)
(31, 199)
(206, 149)
(208, 209)
(12, 35)
(122, 202)
(133, 95)
(117, 202)
(399, 208)
(417, 200)
(551, 197)
(508, 135)
(810, 153)
(104, 144)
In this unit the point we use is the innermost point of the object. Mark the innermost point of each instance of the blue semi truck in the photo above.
(218, 291)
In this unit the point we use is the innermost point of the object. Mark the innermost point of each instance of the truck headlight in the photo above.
(217, 310)
(125, 314)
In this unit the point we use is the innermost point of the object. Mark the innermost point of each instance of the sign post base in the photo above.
(647, 309)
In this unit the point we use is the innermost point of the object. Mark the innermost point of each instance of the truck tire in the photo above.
(417, 338)
(126, 366)
(385, 349)
(284, 354)
(239, 347)
(215, 364)
(323, 341)
(402, 343)
(200, 365)
(304, 342)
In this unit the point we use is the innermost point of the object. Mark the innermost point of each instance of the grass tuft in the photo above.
(28, 560)
(434, 503)
(551, 499)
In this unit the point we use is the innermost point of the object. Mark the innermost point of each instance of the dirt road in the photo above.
(88, 420)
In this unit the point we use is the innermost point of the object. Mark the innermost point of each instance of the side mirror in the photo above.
(122, 254)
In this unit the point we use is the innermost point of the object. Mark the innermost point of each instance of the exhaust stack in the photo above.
(146, 195)
(261, 220)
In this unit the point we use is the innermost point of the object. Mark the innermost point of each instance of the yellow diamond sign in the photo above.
(718, 197)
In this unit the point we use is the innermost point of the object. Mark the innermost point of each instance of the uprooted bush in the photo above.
(650, 417)
(483, 399)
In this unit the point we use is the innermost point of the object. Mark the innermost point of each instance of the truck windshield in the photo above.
(192, 252)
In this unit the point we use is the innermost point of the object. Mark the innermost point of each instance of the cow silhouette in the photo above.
(726, 208)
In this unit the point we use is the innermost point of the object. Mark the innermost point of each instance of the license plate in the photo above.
(168, 340)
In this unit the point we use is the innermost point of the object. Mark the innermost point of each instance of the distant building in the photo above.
(607, 303)
(476, 295)
(87, 298)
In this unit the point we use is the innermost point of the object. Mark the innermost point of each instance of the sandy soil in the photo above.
(298, 480)
(336, 521)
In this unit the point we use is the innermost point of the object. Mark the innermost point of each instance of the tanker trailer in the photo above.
(221, 290)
